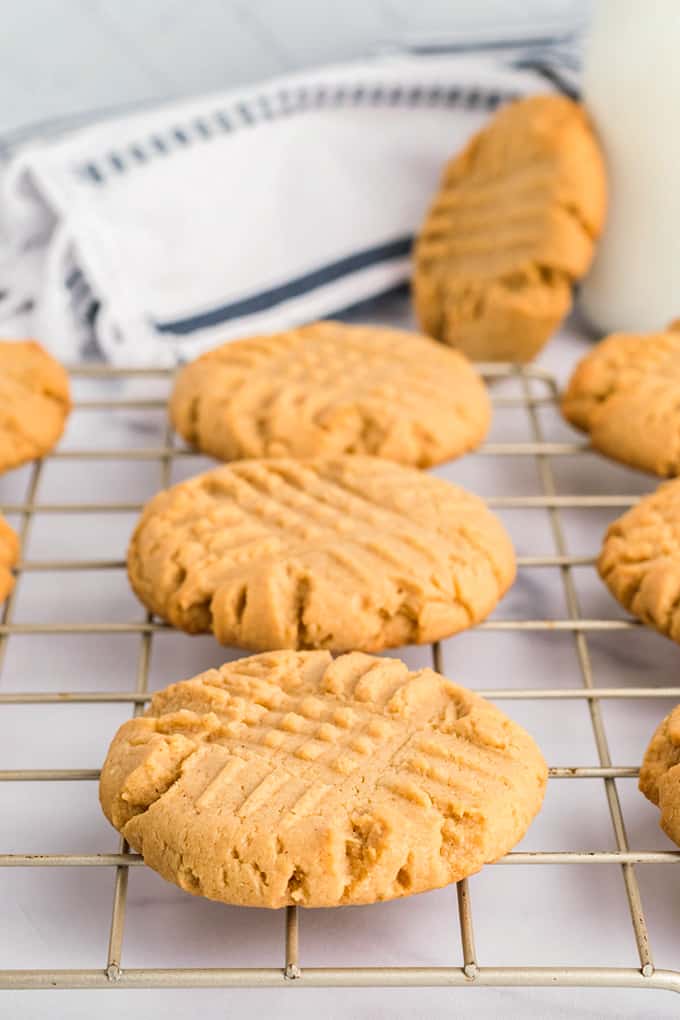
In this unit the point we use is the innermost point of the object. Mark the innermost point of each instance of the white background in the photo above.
(59, 57)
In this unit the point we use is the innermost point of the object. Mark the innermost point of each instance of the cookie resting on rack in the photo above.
(626, 395)
(9, 554)
(346, 553)
(329, 388)
(292, 778)
(34, 402)
(640, 559)
(511, 229)
(660, 773)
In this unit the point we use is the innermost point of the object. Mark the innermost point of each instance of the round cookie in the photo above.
(9, 554)
(640, 560)
(660, 774)
(328, 389)
(510, 230)
(292, 778)
(626, 394)
(34, 402)
(343, 553)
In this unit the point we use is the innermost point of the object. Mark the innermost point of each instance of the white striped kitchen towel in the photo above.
(162, 233)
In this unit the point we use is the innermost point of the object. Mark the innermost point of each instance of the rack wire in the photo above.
(472, 973)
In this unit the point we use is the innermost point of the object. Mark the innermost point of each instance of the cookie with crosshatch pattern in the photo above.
(292, 778)
(9, 554)
(510, 230)
(660, 773)
(346, 553)
(625, 394)
(640, 559)
(34, 402)
(330, 388)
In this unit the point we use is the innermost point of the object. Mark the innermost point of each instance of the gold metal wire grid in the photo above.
(293, 971)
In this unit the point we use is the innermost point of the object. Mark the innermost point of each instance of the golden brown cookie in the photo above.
(626, 394)
(34, 402)
(341, 553)
(328, 389)
(292, 778)
(660, 773)
(9, 554)
(510, 230)
(640, 560)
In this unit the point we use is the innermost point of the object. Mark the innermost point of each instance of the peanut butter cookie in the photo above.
(9, 554)
(510, 230)
(292, 778)
(344, 553)
(660, 773)
(34, 402)
(640, 560)
(328, 389)
(626, 394)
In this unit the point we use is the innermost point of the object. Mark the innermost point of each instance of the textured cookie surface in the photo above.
(626, 395)
(9, 554)
(329, 389)
(344, 553)
(293, 778)
(640, 560)
(660, 773)
(510, 230)
(34, 402)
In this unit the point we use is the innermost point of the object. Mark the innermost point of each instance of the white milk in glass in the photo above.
(631, 87)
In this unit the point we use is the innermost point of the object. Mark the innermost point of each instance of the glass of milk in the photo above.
(631, 88)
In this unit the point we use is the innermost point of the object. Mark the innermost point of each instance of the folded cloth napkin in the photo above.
(160, 234)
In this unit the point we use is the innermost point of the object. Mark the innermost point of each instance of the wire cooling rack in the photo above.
(534, 390)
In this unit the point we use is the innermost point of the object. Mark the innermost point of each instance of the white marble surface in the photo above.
(547, 915)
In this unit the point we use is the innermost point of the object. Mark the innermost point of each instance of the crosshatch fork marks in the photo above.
(313, 782)
(270, 554)
(330, 388)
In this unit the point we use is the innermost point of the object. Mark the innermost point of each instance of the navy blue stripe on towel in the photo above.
(294, 288)
(307, 98)
(550, 74)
